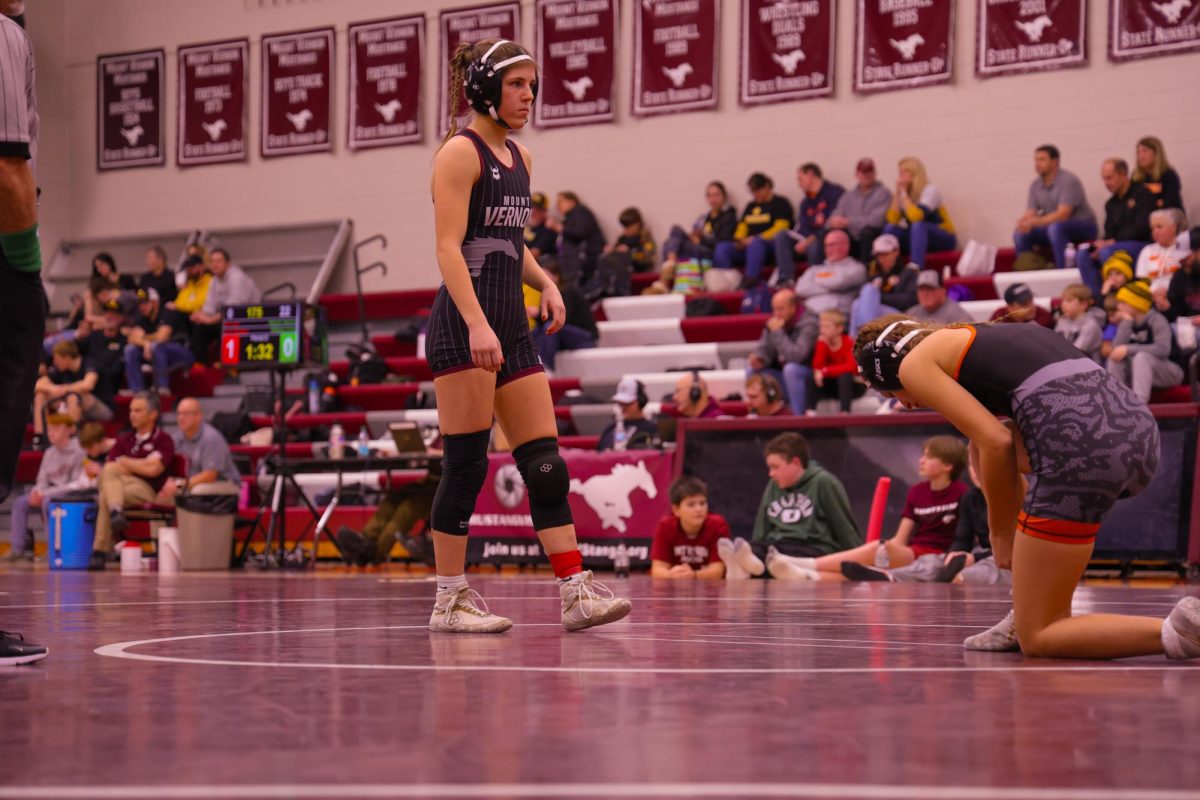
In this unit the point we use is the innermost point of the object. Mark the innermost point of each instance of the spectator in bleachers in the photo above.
(1116, 272)
(60, 471)
(1126, 222)
(582, 240)
(635, 241)
(1156, 173)
(579, 332)
(891, 284)
(630, 399)
(153, 340)
(835, 282)
(396, 519)
(1183, 297)
(71, 386)
(766, 216)
(812, 221)
(1019, 307)
(539, 238)
(104, 349)
(692, 399)
(134, 472)
(1076, 324)
(685, 541)
(862, 210)
(157, 276)
(210, 467)
(1144, 353)
(96, 444)
(194, 291)
(1057, 211)
(834, 369)
(933, 304)
(700, 242)
(105, 266)
(917, 215)
(785, 348)
(1112, 324)
(765, 397)
(1168, 251)
(804, 512)
(231, 286)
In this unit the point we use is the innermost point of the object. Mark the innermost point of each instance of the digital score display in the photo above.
(267, 335)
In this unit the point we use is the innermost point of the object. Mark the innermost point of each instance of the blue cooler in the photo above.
(72, 527)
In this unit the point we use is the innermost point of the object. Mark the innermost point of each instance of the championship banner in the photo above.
(787, 50)
(129, 110)
(615, 498)
(576, 41)
(1147, 28)
(385, 82)
(499, 21)
(1016, 36)
(297, 94)
(213, 86)
(900, 44)
(675, 55)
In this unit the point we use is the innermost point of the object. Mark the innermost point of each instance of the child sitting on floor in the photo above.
(685, 542)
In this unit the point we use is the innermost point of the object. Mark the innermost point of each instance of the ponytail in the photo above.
(464, 54)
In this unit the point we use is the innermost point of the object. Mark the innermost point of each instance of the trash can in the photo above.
(205, 523)
(72, 528)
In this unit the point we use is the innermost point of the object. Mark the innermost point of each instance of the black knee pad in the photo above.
(546, 481)
(464, 469)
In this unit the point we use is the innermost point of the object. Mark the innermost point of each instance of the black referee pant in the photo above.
(22, 327)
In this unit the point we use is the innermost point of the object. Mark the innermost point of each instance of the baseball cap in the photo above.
(886, 243)
(113, 307)
(538, 200)
(148, 295)
(865, 165)
(929, 279)
(189, 262)
(627, 391)
(1018, 294)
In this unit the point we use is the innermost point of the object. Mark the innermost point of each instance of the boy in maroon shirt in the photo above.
(685, 543)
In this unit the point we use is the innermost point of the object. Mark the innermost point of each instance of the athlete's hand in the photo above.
(1002, 548)
(485, 348)
(553, 309)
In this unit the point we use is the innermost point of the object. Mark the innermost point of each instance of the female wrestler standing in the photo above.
(1082, 438)
(478, 344)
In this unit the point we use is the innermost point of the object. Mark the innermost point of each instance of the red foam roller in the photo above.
(878, 504)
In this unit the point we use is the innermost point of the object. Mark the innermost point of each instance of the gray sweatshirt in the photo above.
(62, 470)
(1152, 335)
(1084, 333)
(833, 284)
(791, 343)
(947, 313)
(864, 209)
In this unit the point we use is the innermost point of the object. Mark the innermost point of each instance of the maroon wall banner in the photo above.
(385, 82)
(1015, 36)
(615, 497)
(297, 92)
(787, 50)
(899, 44)
(499, 21)
(1145, 28)
(576, 41)
(129, 110)
(675, 55)
(213, 86)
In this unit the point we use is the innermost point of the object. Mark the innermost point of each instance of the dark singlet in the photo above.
(1000, 360)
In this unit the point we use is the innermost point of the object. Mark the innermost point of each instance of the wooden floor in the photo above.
(329, 685)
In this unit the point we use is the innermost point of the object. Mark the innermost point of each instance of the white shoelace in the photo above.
(470, 600)
(586, 589)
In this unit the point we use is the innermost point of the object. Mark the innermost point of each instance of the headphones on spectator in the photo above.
(880, 364)
(484, 82)
(771, 388)
(642, 397)
(696, 391)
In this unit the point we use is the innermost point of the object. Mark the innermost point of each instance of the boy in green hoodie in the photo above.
(804, 512)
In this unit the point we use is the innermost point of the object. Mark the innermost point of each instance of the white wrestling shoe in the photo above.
(1181, 630)
(587, 603)
(1000, 638)
(462, 610)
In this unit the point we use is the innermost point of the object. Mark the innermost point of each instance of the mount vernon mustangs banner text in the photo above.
(129, 112)
(899, 44)
(213, 82)
(675, 55)
(786, 50)
(1145, 28)
(576, 44)
(1026, 35)
(499, 21)
(297, 93)
(385, 82)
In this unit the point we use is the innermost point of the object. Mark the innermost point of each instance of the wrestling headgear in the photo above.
(484, 82)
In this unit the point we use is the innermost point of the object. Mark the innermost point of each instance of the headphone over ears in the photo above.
(696, 391)
(771, 388)
(642, 397)
(880, 364)
(484, 82)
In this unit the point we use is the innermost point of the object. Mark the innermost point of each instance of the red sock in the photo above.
(566, 564)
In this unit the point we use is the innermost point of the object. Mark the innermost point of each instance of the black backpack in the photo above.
(366, 365)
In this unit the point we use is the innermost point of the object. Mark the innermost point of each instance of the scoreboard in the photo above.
(272, 336)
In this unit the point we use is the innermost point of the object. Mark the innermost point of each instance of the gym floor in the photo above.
(329, 685)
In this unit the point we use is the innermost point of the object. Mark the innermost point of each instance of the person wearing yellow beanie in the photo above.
(1116, 272)
(1144, 353)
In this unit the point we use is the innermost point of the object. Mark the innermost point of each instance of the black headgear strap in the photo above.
(880, 363)
(483, 84)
